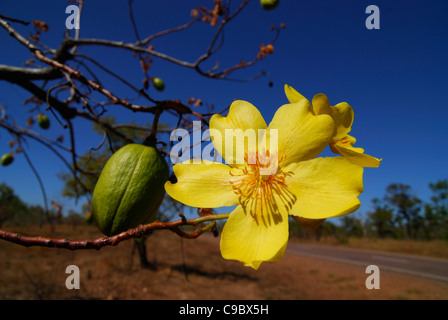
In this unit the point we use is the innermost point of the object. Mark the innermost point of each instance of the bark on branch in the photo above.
(140, 231)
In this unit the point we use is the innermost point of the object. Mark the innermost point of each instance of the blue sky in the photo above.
(395, 78)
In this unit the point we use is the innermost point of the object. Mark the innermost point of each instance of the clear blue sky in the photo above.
(395, 78)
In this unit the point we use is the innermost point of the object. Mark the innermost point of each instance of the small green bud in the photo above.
(7, 159)
(158, 84)
(269, 4)
(43, 121)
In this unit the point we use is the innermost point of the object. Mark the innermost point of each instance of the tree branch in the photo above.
(65, 111)
(14, 20)
(15, 73)
(39, 180)
(140, 231)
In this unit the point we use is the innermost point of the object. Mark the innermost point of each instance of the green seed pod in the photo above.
(43, 121)
(158, 84)
(269, 4)
(130, 189)
(7, 159)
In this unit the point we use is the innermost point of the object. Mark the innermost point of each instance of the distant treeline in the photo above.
(13, 209)
(17, 212)
(399, 214)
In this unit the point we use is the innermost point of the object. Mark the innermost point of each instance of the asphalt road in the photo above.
(413, 265)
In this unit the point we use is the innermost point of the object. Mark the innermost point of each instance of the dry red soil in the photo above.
(190, 269)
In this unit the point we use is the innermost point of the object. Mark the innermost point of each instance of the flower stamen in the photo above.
(260, 195)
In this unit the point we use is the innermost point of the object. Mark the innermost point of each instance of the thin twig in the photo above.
(165, 32)
(14, 20)
(30, 163)
(77, 31)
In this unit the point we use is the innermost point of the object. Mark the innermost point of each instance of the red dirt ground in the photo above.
(115, 273)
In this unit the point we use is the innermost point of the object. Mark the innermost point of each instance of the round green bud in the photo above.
(158, 84)
(43, 121)
(7, 159)
(269, 4)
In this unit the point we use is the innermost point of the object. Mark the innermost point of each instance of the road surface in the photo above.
(432, 268)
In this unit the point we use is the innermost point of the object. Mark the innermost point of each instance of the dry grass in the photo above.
(112, 273)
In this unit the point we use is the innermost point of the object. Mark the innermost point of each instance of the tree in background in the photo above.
(436, 212)
(380, 219)
(401, 214)
(406, 207)
(10, 204)
(398, 214)
(14, 210)
(352, 226)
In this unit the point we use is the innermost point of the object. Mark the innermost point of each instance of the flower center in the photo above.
(263, 196)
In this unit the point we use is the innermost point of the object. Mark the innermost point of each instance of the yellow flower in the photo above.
(270, 181)
(342, 114)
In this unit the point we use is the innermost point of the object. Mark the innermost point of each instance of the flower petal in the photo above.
(324, 187)
(242, 116)
(308, 223)
(301, 135)
(356, 155)
(292, 95)
(343, 117)
(321, 104)
(204, 185)
(251, 243)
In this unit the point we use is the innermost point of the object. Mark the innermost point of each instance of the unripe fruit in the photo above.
(130, 189)
(7, 159)
(43, 121)
(269, 4)
(158, 84)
